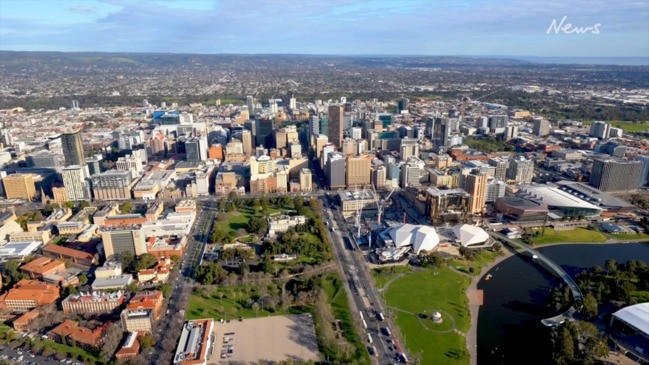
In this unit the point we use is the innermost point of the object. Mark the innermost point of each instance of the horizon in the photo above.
(471, 28)
(561, 60)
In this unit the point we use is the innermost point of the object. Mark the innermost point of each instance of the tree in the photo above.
(145, 261)
(83, 279)
(175, 259)
(126, 207)
(611, 266)
(83, 204)
(146, 342)
(589, 308)
(128, 261)
(166, 290)
(10, 273)
(112, 340)
(68, 205)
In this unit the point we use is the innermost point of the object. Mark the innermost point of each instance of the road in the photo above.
(360, 287)
(182, 281)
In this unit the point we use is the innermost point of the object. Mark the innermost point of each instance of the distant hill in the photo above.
(12, 61)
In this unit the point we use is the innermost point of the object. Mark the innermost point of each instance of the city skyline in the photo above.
(354, 27)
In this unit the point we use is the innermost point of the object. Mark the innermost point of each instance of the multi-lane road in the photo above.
(370, 313)
(182, 282)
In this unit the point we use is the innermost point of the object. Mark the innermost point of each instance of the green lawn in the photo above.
(436, 289)
(481, 259)
(340, 308)
(240, 218)
(230, 302)
(65, 349)
(575, 235)
(384, 274)
(631, 127)
(630, 236)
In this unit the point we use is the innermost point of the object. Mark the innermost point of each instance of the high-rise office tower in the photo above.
(314, 125)
(321, 141)
(497, 123)
(335, 170)
(476, 186)
(402, 105)
(250, 101)
(264, 136)
(501, 165)
(410, 175)
(600, 130)
(251, 125)
(644, 170)
(74, 181)
(73, 148)
(379, 176)
(409, 148)
(19, 186)
(246, 140)
(541, 127)
(615, 174)
(521, 170)
(336, 124)
(306, 180)
(441, 132)
(280, 138)
(358, 173)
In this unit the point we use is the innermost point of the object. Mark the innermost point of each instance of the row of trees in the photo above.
(577, 342)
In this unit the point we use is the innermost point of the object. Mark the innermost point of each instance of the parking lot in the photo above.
(274, 338)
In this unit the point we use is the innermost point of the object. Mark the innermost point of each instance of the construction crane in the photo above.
(380, 204)
(359, 213)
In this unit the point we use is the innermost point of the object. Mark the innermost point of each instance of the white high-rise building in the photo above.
(74, 181)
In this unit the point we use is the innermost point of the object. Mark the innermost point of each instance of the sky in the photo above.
(549, 28)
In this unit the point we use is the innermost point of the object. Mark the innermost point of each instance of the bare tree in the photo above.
(112, 340)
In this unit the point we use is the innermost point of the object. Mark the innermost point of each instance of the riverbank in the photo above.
(475, 300)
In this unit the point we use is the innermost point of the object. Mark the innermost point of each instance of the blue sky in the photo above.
(404, 27)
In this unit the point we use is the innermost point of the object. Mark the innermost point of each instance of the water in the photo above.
(509, 327)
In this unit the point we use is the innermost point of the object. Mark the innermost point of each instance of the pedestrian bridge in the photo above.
(554, 269)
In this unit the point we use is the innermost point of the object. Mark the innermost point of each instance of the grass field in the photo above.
(575, 235)
(230, 302)
(631, 127)
(439, 289)
(340, 308)
(481, 259)
(630, 236)
(240, 218)
(384, 274)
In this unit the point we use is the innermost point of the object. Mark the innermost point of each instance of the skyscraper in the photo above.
(644, 170)
(476, 186)
(246, 140)
(264, 136)
(521, 170)
(541, 127)
(600, 130)
(75, 183)
(402, 105)
(358, 171)
(336, 127)
(73, 148)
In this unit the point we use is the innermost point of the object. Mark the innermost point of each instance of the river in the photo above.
(509, 327)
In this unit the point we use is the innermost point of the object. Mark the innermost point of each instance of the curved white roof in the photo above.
(636, 316)
(470, 235)
(419, 237)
